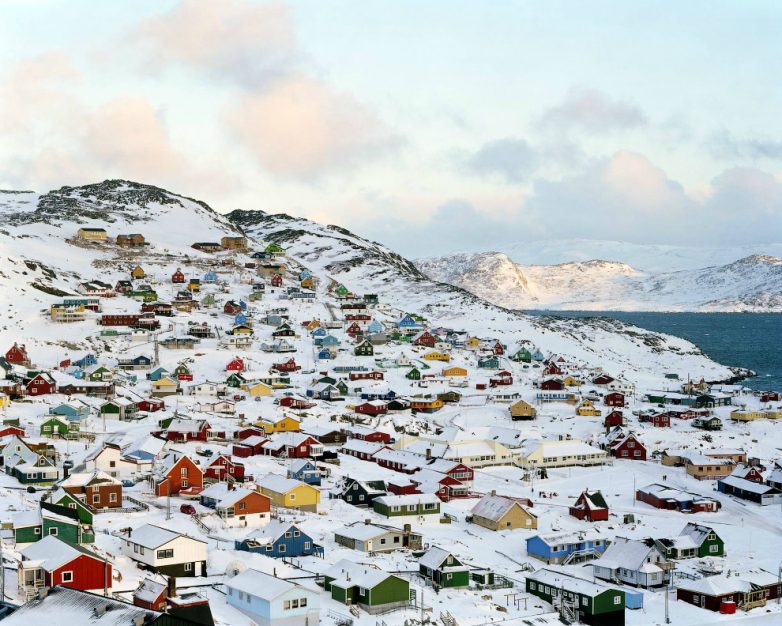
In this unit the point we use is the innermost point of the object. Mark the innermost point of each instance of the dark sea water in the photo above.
(750, 340)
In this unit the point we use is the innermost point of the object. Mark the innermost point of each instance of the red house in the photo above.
(503, 378)
(251, 446)
(614, 418)
(296, 402)
(293, 445)
(43, 384)
(552, 384)
(11, 430)
(602, 379)
(365, 433)
(552, 370)
(17, 355)
(590, 506)
(248, 431)
(231, 308)
(277, 280)
(151, 594)
(287, 366)
(182, 430)
(424, 338)
(658, 420)
(401, 486)
(614, 399)
(235, 365)
(65, 564)
(374, 407)
(150, 405)
(178, 276)
(628, 447)
(223, 467)
(354, 329)
(498, 348)
(366, 376)
(749, 473)
(176, 475)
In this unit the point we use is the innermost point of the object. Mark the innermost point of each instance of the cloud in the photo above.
(302, 128)
(512, 159)
(239, 40)
(724, 145)
(593, 111)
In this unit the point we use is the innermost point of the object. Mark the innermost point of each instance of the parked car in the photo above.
(203, 451)
(189, 509)
(126, 482)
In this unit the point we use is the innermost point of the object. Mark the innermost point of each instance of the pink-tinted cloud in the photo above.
(593, 111)
(302, 128)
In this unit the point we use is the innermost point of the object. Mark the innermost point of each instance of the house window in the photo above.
(53, 531)
(297, 533)
(585, 601)
(67, 577)
(362, 591)
(188, 567)
(303, 602)
(183, 471)
(618, 600)
(306, 545)
(286, 605)
(165, 554)
(288, 534)
(715, 548)
(281, 548)
(295, 604)
(37, 531)
(532, 586)
(96, 498)
(269, 548)
(292, 496)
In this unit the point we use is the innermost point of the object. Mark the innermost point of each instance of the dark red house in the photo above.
(552, 369)
(658, 420)
(66, 564)
(628, 447)
(296, 402)
(43, 384)
(251, 446)
(552, 384)
(178, 277)
(150, 405)
(614, 399)
(231, 308)
(17, 355)
(498, 348)
(614, 418)
(182, 430)
(366, 376)
(294, 446)
(424, 338)
(354, 330)
(277, 280)
(375, 407)
(590, 506)
(287, 366)
(223, 467)
(602, 379)
(754, 474)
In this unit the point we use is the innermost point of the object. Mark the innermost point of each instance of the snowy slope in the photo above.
(753, 283)
(335, 254)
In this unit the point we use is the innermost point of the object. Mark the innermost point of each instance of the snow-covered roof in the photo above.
(362, 532)
(626, 553)
(278, 484)
(494, 507)
(348, 574)
(151, 536)
(53, 552)
(260, 585)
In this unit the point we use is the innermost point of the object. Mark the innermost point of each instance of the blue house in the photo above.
(272, 601)
(86, 361)
(305, 274)
(75, 371)
(240, 318)
(319, 332)
(304, 470)
(210, 277)
(329, 341)
(407, 322)
(566, 548)
(280, 539)
(387, 396)
(242, 305)
(71, 412)
(374, 327)
(158, 373)
(537, 355)
(325, 355)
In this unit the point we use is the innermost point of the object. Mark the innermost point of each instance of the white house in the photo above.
(270, 601)
(632, 562)
(166, 551)
(110, 459)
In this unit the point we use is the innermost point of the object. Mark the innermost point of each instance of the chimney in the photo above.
(367, 521)
(171, 587)
(428, 454)
(494, 492)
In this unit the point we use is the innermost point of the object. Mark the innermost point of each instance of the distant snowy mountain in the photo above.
(44, 262)
(753, 283)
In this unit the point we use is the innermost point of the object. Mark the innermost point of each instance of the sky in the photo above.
(432, 127)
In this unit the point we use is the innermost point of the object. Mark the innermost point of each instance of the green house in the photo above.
(342, 290)
(57, 426)
(99, 374)
(522, 356)
(489, 363)
(364, 349)
(443, 569)
(181, 370)
(695, 541)
(586, 601)
(208, 300)
(409, 504)
(372, 589)
(343, 387)
(235, 380)
(69, 501)
(413, 374)
(256, 296)
(51, 519)
(274, 248)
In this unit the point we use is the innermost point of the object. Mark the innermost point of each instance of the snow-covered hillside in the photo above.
(753, 283)
(36, 234)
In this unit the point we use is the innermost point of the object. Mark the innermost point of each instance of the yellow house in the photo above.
(194, 285)
(289, 493)
(308, 283)
(426, 405)
(313, 325)
(5, 401)
(571, 381)
(164, 387)
(454, 371)
(473, 342)
(67, 313)
(522, 410)
(774, 414)
(747, 416)
(500, 513)
(243, 329)
(138, 272)
(285, 424)
(436, 355)
(587, 409)
(257, 389)
(92, 234)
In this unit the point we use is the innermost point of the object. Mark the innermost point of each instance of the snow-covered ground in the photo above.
(38, 260)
